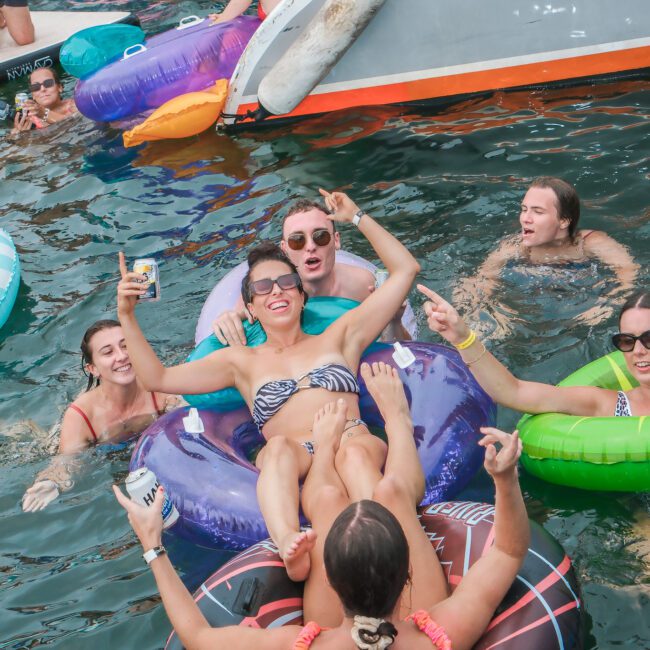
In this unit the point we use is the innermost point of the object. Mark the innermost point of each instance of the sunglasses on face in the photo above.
(298, 240)
(36, 86)
(626, 342)
(265, 285)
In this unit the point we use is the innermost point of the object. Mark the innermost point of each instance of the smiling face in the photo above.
(635, 321)
(280, 305)
(110, 360)
(47, 97)
(314, 262)
(540, 220)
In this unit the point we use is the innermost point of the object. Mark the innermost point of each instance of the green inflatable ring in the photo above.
(592, 453)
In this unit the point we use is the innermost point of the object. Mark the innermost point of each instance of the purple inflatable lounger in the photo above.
(190, 57)
(211, 478)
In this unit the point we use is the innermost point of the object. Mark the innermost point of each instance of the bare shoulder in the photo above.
(595, 239)
(356, 281)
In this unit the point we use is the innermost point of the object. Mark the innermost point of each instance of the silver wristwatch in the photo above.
(150, 555)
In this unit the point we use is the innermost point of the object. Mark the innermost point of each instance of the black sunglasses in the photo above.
(35, 87)
(320, 237)
(626, 342)
(265, 285)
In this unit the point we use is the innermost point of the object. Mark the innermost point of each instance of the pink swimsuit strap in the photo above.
(434, 631)
(307, 636)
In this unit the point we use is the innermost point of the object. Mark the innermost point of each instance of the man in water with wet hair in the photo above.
(14, 15)
(310, 240)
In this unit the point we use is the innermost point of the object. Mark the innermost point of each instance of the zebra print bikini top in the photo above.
(270, 397)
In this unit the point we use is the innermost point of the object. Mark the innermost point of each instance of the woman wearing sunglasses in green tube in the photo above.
(504, 388)
(46, 106)
(291, 376)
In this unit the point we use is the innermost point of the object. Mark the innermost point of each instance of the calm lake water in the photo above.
(447, 182)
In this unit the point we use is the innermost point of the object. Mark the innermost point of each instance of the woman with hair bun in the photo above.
(113, 408)
(376, 580)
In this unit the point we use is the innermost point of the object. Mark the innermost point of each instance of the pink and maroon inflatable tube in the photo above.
(541, 610)
(211, 479)
(182, 60)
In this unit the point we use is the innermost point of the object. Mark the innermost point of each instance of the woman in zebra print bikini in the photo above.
(289, 378)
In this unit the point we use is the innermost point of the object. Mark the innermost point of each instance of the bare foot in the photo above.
(386, 388)
(294, 550)
(329, 423)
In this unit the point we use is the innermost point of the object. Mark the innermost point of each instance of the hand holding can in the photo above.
(141, 485)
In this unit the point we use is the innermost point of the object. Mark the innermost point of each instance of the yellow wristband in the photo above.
(467, 342)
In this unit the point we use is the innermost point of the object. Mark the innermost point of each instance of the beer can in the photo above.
(149, 268)
(141, 485)
(20, 100)
(380, 277)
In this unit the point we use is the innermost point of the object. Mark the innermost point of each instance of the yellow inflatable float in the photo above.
(181, 116)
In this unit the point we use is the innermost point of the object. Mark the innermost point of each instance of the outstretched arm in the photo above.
(57, 476)
(193, 630)
(214, 372)
(364, 324)
(467, 612)
(500, 384)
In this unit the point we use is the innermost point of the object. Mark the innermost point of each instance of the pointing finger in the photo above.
(122, 261)
(432, 295)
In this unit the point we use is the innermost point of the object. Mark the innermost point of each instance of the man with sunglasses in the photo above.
(310, 240)
(14, 15)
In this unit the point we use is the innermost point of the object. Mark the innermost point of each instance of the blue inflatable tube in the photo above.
(211, 477)
(191, 57)
(9, 275)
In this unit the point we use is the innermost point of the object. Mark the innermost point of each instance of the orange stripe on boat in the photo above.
(473, 82)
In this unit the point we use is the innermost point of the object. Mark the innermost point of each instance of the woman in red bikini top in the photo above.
(113, 408)
(238, 7)
(376, 582)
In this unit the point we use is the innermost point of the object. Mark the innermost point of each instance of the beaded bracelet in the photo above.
(480, 356)
(467, 342)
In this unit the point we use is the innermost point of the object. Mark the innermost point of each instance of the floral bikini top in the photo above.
(623, 408)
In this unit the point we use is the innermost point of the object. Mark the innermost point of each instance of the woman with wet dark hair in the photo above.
(292, 375)
(633, 340)
(376, 580)
(114, 407)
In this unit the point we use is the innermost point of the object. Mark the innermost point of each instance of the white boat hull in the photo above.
(423, 50)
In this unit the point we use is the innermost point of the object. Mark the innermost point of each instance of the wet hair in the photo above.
(566, 198)
(304, 205)
(638, 300)
(86, 353)
(367, 560)
(266, 252)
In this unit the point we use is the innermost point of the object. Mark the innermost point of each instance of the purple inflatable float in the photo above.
(211, 478)
(182, 60)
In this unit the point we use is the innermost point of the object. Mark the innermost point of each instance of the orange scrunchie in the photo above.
(434, 631)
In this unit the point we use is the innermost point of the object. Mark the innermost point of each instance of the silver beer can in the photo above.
(380, 277)
(20, 100)
(141, 485)
(149, 268)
